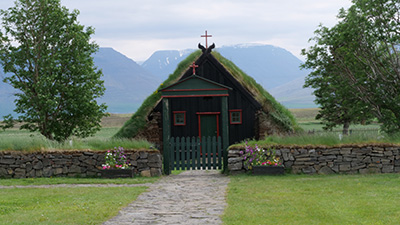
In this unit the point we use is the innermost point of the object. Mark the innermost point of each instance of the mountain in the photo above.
(162, 63)
(270, 66)
(293, 95)
(276, 69)
(127, 83)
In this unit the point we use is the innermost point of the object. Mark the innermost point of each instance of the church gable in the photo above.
(210, 68)
(249, 104)
(195, 86)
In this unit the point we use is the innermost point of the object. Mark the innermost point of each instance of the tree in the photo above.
(339, 105)
(47, 55)
(360, 55)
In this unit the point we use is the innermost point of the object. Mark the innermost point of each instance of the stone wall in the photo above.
(265, 126)
(152, 132)
(72, 163)
(324, 160)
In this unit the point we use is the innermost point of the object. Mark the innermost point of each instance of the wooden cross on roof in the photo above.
(206, 36)
(194, 66)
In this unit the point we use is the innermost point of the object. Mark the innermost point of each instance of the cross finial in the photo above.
(194, 66)
(206, 36)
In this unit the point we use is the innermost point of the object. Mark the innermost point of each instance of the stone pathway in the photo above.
(192, 197)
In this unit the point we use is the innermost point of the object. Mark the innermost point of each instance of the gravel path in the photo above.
(192, 197)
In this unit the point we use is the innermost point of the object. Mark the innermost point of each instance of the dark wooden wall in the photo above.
(239, 98)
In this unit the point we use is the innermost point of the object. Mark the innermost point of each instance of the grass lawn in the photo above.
(23, 140)
(304, 199)
(317, 126)
(80, 205)
(305, 115)
(67, 180)
(307, 121)
(92, 205)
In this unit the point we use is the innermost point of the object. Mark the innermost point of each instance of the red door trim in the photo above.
(207, 113)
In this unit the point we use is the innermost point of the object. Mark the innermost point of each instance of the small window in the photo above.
(235, 116)
(179, 118)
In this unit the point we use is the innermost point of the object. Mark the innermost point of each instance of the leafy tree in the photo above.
(339, 105)
(47, 56)
(361, 54)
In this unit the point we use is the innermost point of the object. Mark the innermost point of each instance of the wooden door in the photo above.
(208, 125)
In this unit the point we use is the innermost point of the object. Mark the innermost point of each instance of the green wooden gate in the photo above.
(187, 153)
(195, 87)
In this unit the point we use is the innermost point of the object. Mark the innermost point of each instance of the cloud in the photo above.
(138, 28)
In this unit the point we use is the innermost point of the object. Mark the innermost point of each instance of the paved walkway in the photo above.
(192, 197)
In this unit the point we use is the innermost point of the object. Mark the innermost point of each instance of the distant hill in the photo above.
(127, 84)
(270, 66)
(276, 69)
(162, 63)
(293, 95)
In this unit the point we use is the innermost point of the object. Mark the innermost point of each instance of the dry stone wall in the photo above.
(72, 163)
(323, 160)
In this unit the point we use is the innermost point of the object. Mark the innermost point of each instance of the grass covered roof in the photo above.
(278, 113)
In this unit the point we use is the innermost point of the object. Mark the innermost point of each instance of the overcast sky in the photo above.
(137, 28)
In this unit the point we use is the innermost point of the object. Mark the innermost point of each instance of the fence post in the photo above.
(225, 131)
(172, 154)
(219, 151)
(188, 149)
(166, 136)
(214, 152)
(198, 153)
(193, 152)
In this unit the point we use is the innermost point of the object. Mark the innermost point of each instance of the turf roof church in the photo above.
(196, 92)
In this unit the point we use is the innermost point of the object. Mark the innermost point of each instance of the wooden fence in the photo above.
(195, 153)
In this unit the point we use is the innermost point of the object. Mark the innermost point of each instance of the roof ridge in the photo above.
(270, 106)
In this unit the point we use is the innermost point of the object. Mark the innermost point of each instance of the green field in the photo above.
(289, 199)
(73, 180)
(307, 121)
(22, 140)
(87, 205)
(304, 199)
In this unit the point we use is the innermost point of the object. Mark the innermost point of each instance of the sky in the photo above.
(137, 28)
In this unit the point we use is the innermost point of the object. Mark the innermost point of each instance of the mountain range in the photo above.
(128, 83)
(276, 69)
